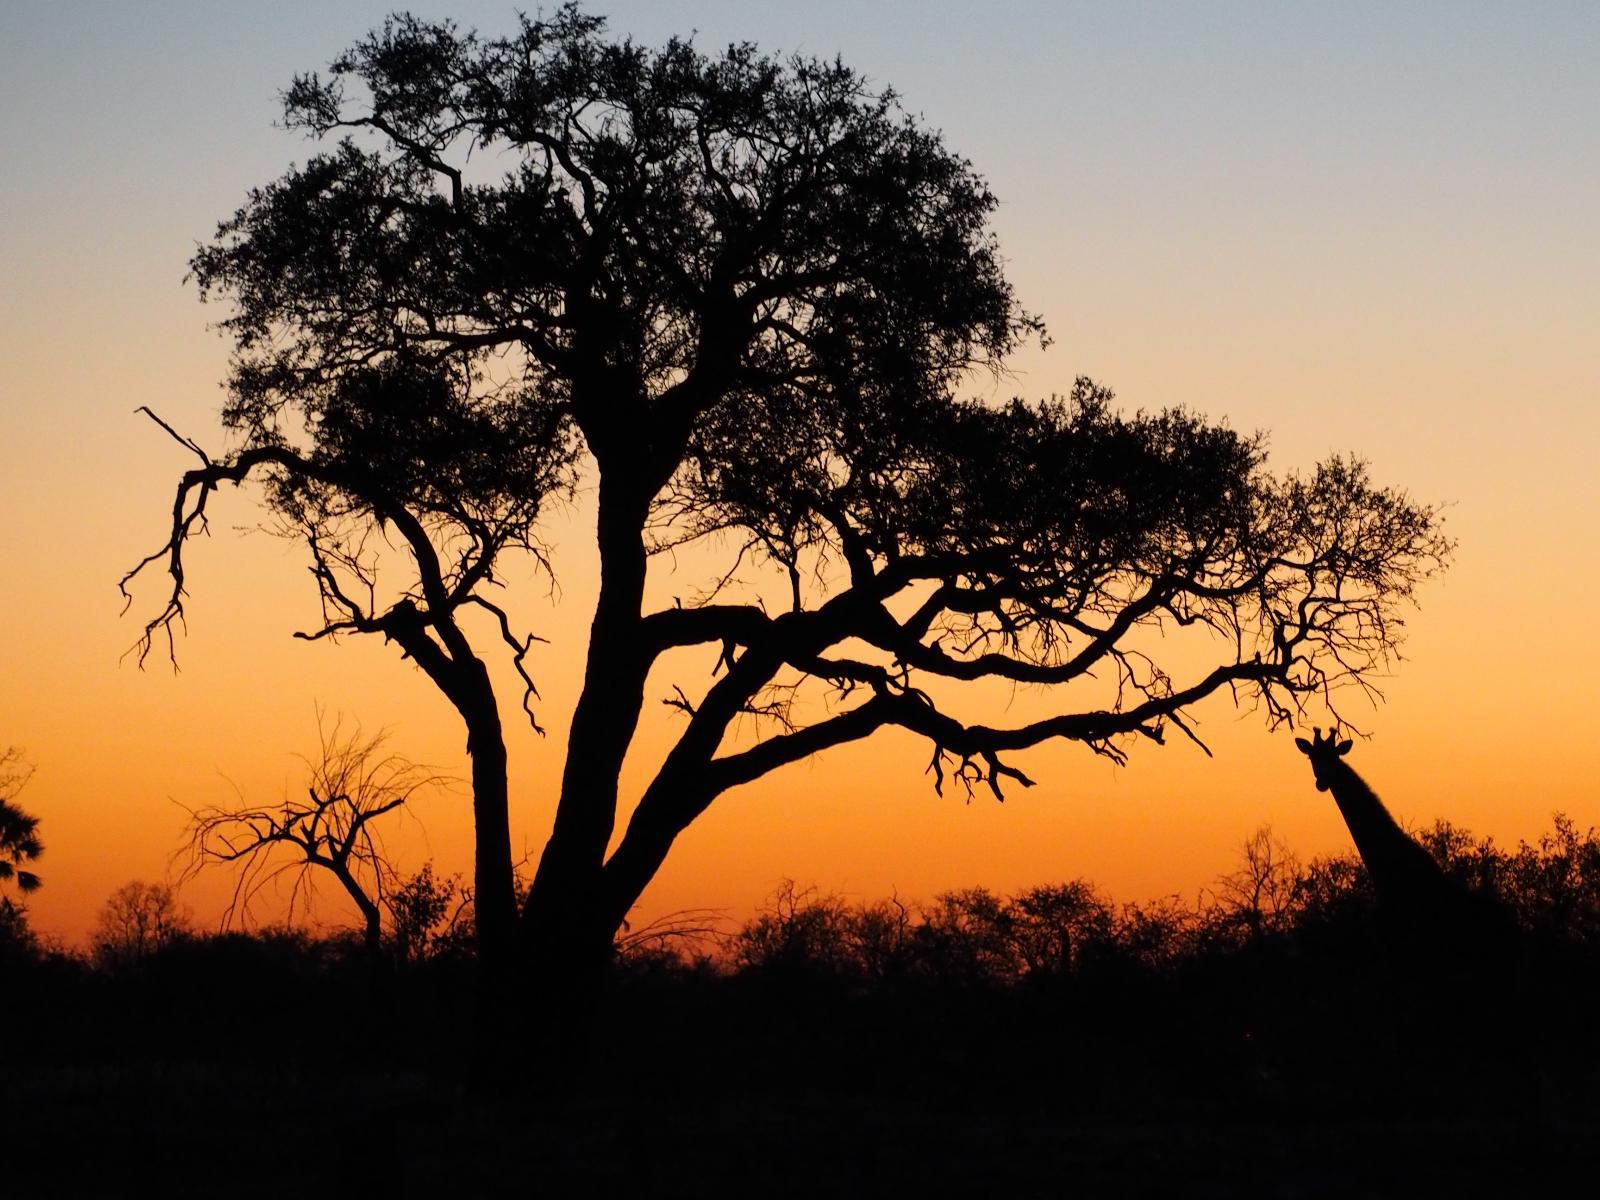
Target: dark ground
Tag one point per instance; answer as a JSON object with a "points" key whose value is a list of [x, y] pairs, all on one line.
{"points": [[187, 1129]]}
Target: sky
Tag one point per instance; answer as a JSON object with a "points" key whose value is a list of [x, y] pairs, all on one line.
{"points": [[1359, 227]]}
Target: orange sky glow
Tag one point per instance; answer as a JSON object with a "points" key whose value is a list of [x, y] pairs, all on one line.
{"points": [[1369, 233]]}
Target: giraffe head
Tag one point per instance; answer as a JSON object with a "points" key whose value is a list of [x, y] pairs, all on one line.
{"points": [[1324, 753]]}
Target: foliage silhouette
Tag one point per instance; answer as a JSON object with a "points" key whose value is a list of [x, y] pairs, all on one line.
{"points": [[19, 831], [20, 847], [736, 295], [18, 942], [426, 914]]}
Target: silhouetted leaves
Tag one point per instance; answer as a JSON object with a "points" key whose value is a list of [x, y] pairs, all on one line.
{"points": [[19, 830]]}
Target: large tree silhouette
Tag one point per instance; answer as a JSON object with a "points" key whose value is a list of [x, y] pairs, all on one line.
{"points": [[738, 296]]}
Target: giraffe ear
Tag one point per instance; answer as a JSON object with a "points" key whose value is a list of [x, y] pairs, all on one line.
{"points": [[1305, 746], [1344, 747]]}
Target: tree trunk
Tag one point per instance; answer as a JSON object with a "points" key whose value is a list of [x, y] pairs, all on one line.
{"points": [[372, 931], [567, 928], [463, 678], [497, 1043], [494, 889], [567, 954]]}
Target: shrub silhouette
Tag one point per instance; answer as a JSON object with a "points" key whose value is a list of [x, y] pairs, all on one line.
{"points": [[426, 917]]}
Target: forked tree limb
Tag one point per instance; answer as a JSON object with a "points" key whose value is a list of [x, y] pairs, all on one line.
{"points": [[428, 633]]}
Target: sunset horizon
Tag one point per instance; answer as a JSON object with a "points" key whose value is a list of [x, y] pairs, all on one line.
{"points": [[1382, 324]]}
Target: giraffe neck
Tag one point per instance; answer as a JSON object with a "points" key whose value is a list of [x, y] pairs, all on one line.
{"points": [[1396, 863]]}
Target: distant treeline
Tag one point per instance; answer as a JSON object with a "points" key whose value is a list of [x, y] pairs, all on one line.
{"points": [[1046, 934], [1278, 981]]}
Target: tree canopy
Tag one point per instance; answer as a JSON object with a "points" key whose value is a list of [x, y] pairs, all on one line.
{"points": [[741, 296]]}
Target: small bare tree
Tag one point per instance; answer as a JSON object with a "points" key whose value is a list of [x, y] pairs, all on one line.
{"points": [[333, 829], [1260, 893], [137, 920]]}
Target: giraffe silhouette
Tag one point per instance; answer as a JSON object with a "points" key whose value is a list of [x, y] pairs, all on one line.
{"points": [[1452, 962], [1425, 908]]}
